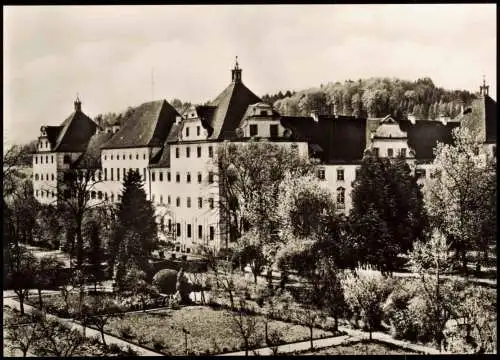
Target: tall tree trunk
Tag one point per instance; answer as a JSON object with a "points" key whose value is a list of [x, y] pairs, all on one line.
{"points": [[21, 304], [103, 337], [311, 336], [40, 301]]}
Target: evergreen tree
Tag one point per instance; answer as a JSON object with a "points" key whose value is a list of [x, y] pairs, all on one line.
{"points": [[135, 235], [388, 212], [95, 254]]}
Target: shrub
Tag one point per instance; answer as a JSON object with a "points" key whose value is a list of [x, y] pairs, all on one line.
{"points": [[114, 348], [158, 343], [397, 314], [365, 291], [165, 281], [126, 332], [130, 352]]}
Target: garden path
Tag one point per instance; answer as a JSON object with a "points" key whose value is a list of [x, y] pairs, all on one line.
{"points": [[89, 332]]}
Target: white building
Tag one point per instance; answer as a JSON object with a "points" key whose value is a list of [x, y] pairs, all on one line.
{"points": [[176, 154]]}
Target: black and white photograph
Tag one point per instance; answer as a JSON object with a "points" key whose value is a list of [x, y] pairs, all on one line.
{"points": [[249, 180]]}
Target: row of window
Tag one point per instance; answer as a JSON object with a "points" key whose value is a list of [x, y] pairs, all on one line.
{"points": [[117, 178], [188, 201], [123, 157], [390, 152], [45, 193], [46, 159], [178, 177], [41, 177], [198, 151], [178, 232], [340, 174], [198, 131], [273, 130], [44, 144]]}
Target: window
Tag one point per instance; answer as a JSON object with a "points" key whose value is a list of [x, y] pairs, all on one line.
{"points": [[123, 156], [106, 196], [210, 177], [111, 156], [37, 193], [212, 232], [402, 153], [105, 174], [92, 194], [263, 113], [99, 175], [375, 151], [198, 151], [112, 197], [390, 152], [200, 202], [36, 159], [188, 178], [118, 174], [41, 159], [198, 131], [253, 130], [200, 231], [187, 131], [178, 201], [188, 151], [188, 202], [177, 177], [152, 176], [111, 175], [340, 174], [53, 194], [52, 159], [169, 224], [124, 173], [99, 195], [340, 197], [161, 199], [144, 156], [177, 152], [105, 157], [162, 225], [188, 230], [137, 156], [210, 151], [130, 156], [273, 130], [199, 178], [168, 176], [321, 174], [36, 177], [160, 174], [52, 177], [153, 198], [46, 159], [178, 225], [211, 203], [169, 200], [41, 193]]}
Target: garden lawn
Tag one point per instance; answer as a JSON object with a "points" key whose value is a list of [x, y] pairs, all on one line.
{"points": [[211, 331], [361, 348]]}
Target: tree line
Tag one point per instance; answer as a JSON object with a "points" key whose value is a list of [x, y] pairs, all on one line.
{"points": [[374, 97]]}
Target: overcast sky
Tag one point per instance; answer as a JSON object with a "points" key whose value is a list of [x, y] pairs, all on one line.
{"points": [[107, 53]]}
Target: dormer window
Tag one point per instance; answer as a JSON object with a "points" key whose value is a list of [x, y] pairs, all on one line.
{"points": [[263, 113], [187, 131]]}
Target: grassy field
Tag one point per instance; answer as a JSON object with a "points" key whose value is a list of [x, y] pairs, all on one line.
{"points": [[209, 330], [361, 348]]}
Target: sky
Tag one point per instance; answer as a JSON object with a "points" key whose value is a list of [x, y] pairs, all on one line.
{"points": [[111, 55]]}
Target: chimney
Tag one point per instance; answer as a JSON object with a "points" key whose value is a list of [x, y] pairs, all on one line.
{"points": [[314, 115]]}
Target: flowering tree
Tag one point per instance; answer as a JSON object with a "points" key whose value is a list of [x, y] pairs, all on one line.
{"points": [[461, 195]]}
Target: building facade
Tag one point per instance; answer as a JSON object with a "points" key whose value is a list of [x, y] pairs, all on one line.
{"points": [[176, 154]]}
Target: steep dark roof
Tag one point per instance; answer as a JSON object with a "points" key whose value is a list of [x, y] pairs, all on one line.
{"points": [[342, 139], [482, 118], [91, 158], [52, 134], [423, 136], [75, 133], [223, 115], [146, 125], [162, 159]]}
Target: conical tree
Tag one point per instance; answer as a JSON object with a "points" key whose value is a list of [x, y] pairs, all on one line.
{"points": [[135, 231]]}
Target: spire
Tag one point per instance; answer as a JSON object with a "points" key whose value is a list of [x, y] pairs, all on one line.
{"points": [[236, 72], [78, 103], [484, 89]]}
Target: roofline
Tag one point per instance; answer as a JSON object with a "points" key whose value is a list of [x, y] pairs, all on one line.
{"points": [[129, 147]]}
